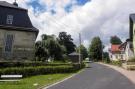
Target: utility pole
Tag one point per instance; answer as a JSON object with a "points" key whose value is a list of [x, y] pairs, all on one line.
{"points": [[79, 48], [102, 51]]}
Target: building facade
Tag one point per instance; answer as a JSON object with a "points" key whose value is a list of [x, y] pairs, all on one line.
{"points": [[127, 48], [115, 54], [17, 34]]}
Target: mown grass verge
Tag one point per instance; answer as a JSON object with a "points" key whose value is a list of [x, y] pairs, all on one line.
{"points": [[34, 82]]}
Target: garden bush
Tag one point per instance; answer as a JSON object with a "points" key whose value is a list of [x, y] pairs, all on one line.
{"points": [[106, 60], [38, 70], [29, 64], [117, 63]]}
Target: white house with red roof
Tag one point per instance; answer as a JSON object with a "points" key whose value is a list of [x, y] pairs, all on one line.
{"points": [[115, 53], [127, 48], [122, 51]]}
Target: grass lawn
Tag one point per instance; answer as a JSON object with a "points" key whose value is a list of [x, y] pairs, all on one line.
{"points": [[34, 82]]}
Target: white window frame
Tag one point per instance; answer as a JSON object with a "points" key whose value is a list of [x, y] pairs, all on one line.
{"points": [[9, 19]]}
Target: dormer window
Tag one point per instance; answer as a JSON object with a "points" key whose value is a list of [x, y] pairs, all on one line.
{"points": [[9, 19]]}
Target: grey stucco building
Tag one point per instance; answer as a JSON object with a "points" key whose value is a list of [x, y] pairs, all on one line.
{"points": [[74, 57], [17, 34]]}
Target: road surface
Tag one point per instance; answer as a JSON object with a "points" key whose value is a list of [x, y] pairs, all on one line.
{"points": [[96, 77]]}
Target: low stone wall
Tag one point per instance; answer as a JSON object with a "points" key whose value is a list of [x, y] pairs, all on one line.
{"points": [[128, 66]]}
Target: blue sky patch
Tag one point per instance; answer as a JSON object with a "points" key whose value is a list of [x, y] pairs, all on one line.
{"points": [[82, 2], [35, 4], [68, 8]]}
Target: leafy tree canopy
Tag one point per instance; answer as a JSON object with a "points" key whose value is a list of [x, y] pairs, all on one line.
{"points": [[49, 47], [96, 49], [83, 51], [66, 40], [115, 40]]}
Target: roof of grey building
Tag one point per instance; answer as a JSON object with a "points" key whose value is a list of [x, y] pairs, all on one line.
{"points": [[132, 21], [21, 20], [73, 54], [6, 4], [132, 16]]}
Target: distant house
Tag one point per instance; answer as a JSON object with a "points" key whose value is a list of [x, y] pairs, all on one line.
{"points": [[115, 53], [127, 48], [17, 34]]}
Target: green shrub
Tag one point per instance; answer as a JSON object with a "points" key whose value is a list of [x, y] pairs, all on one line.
{"points": [[29, 64], [117, 63], [38, 70], [106, 60]]}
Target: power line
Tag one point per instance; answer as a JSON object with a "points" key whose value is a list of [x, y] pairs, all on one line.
{"points": [[54, 20]]}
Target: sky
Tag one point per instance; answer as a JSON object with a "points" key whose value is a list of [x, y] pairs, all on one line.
{"points": [[103, 18]]}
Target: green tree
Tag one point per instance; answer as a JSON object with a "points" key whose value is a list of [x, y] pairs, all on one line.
{"points": [[96, 49], [40, 53], [115, 40], [49, 47], [54, 48], [66, 40], [83, 51], [106, 57]]}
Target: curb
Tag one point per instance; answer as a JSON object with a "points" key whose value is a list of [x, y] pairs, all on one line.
{"points": [[128, 74], [57, 82]]}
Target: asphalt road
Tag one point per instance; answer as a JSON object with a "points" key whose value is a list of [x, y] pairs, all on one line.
{"points": [[96, 77]]}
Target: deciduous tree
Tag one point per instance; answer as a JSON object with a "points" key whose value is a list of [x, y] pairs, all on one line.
{"points": [[83, 51], [66, 40], [96, 49], [115, 40]]}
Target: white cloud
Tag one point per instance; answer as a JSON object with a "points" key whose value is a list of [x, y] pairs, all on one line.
{"points": [[102, 18]]}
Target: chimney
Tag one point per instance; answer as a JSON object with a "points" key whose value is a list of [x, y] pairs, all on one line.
{"points": [[15, 3]]}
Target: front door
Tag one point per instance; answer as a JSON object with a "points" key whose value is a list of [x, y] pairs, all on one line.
{"points": [[8, 46]]}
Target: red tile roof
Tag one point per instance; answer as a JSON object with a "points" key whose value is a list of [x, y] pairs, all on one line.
{"points": [[115, 48]]}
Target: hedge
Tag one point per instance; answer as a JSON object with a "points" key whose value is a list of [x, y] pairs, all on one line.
{"points": [[117, 63], [38, 70], [29, 64]]}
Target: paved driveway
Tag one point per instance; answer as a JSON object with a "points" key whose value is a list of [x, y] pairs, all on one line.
{"points": [[96, 77]]}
